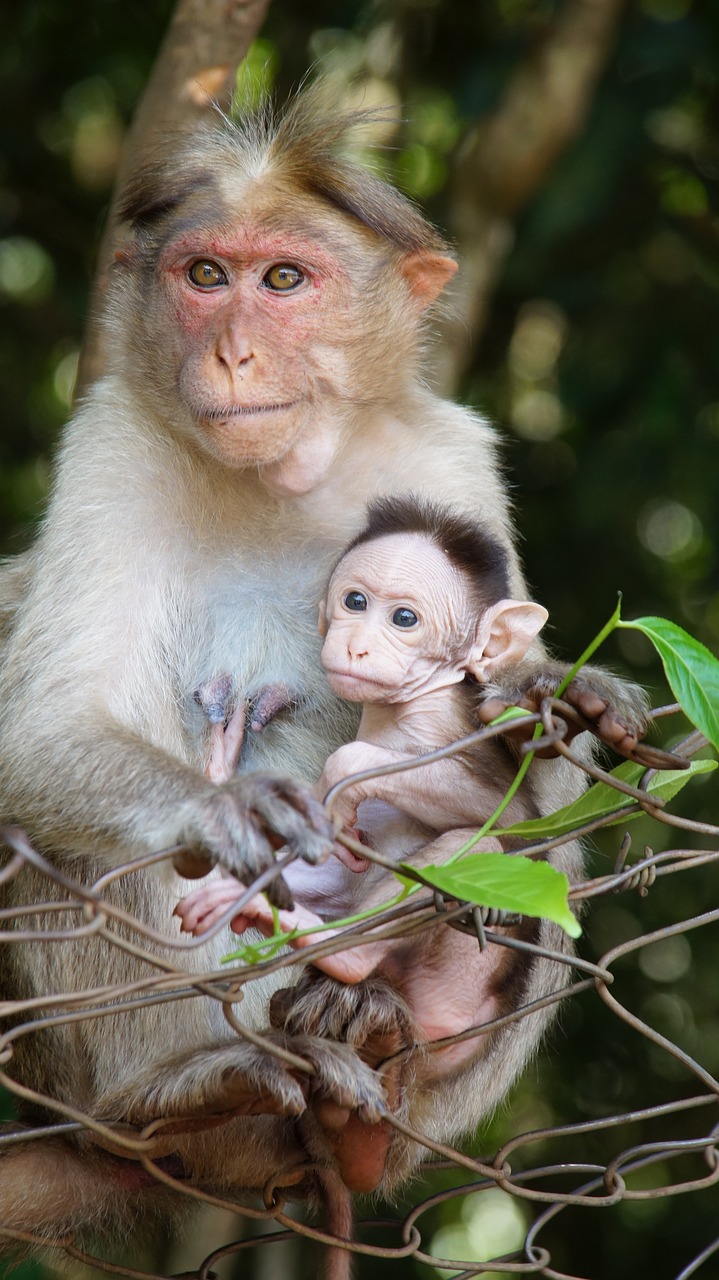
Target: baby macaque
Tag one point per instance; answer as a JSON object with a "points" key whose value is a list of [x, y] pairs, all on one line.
{"points": [[416, 616]]}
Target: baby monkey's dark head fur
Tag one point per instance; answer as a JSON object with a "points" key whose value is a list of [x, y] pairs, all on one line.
{"points": [[469, 546]]}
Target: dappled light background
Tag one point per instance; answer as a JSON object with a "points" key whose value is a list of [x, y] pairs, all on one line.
{"points": [[596, 353]]}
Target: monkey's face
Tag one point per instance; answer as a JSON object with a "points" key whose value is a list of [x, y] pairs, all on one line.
{"points": [[397, 612], [253, 332], [269, 331], [250, 312]]}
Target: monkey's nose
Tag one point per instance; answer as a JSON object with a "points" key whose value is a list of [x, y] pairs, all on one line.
{"points": [[233, 350]]}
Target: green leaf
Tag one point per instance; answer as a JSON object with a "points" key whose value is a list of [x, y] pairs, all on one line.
{"points": [[509, 882], [602, 799], [691, 670]]}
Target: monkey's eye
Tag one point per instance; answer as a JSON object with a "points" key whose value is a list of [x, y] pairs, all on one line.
{"points": [[283, 277], [355, 601], [205, 274], [405, 617]]}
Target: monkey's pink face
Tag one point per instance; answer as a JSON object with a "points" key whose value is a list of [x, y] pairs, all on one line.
{"points": [[397, 611], [257, 318]]}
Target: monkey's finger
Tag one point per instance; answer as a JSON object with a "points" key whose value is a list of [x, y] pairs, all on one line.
{"points": [[341, 1076], [281, 1004], [331, 1115], [224, 824], [490, 709], [615, 733], [587, 701], [655, 758]]}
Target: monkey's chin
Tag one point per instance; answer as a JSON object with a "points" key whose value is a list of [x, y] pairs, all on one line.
{"points": [[250, 435]]}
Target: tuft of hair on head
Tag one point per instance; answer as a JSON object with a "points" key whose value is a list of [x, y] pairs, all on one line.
{"points": [[469, 546], [301, 144]]}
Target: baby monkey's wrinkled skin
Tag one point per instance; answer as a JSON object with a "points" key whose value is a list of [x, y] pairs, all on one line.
{"points": [[410, 623]]}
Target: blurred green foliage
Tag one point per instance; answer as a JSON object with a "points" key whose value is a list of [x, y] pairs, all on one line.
{"points": [[600, 365]]}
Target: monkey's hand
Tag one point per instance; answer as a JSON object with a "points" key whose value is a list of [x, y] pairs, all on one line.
{"points": [[613, 709], [374, 1019], [241, 822]]}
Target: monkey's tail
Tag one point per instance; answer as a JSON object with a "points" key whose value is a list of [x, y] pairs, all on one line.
{"points": [[338, 1220]]}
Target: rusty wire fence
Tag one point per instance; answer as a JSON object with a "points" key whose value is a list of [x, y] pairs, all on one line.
{"points": [[550, 1189]]}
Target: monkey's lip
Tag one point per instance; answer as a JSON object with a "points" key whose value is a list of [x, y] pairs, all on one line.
{"points": [[228, 412], [354, 677]]}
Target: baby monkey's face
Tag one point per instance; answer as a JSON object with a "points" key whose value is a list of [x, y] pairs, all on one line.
{"points": [[396, 616]]}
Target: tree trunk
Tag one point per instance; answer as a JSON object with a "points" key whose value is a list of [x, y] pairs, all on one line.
{"points": [[508, 156], [194, 73]]}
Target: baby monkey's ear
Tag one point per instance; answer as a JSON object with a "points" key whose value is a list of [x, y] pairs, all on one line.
{"points": [[323, 625], [504, 633]]}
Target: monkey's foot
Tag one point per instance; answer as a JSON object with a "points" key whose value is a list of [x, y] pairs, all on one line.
{"points": [[373, 1018], [237, 1078], [368, 1015]]}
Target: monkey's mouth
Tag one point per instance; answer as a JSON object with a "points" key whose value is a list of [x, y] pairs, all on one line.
{"points": [[353, 677], [230, 412]]}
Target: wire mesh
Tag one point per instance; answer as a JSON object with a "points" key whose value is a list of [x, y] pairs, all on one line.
{"points": [[75, 910]]}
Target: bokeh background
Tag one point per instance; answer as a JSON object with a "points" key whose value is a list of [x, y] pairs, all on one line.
{"points": [[593, 347]]}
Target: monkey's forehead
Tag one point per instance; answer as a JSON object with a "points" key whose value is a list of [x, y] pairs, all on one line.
{"points": [[263, 224], [401, 565]]}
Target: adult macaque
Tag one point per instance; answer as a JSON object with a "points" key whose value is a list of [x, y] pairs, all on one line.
{"points": [[267, 320]]}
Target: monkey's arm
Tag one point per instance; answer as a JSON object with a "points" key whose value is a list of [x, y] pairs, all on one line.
{"points": [[440, 795], [104, 790]]}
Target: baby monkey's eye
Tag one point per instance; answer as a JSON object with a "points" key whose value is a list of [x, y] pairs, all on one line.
{"points": [[355, 601], [405, 617], [283, 277], [205, 274]]}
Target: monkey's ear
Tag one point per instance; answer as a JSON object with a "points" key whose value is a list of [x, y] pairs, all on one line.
{"points": [[504, 633], [426, 274], [322, 623]]}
